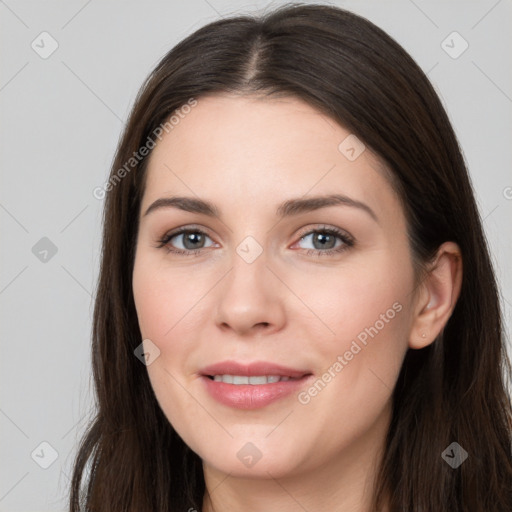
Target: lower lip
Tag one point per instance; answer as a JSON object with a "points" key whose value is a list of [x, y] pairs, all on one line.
{"points": [[249, 396]]}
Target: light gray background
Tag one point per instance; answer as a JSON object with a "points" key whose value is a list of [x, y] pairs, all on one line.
{"points": [[61, 119]]}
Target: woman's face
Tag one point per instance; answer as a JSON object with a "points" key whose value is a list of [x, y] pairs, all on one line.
{"points": [[298, 268]]}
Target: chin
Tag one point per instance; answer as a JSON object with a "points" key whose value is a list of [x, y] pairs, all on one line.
{"points": [[253, 459], [262, 470]]}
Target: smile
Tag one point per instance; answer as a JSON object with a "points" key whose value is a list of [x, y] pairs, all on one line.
{"points": [[253, 380], [252, 385]]}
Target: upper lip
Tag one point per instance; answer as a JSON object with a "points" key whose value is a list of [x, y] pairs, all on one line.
{"points": [[253, 369]]}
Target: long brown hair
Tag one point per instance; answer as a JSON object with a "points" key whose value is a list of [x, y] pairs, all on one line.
{"points": [[454, 390]]}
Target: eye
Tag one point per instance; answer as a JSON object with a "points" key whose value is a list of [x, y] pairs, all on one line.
{"points": [[186, 241], [326, 241], [189, 241]]}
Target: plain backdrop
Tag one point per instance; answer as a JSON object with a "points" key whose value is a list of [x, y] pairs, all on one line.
{"points": [[68, 78]]}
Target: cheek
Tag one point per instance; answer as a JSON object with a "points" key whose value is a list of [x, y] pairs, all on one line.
{"points": [[356, 299], [358, 371], [162, 300], [166, 297], [366, 309]]}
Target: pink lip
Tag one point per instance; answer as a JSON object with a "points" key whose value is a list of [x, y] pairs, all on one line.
{"points": [[249, 396], [252, 369]]}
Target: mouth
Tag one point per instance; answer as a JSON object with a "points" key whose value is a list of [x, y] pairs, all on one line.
{"points": [[252, 386], [255, 380], [237, 372]]}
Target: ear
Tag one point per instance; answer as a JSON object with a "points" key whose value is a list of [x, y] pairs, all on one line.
{"points": [[437, 296]]}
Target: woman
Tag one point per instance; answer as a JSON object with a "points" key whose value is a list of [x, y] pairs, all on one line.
{"points": [[296, 307]]}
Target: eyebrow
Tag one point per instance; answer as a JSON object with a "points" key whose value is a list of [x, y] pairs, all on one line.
{"points": [[286, 209]]}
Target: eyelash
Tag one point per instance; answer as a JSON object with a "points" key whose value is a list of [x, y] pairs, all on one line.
{"points": [[347, 240]]}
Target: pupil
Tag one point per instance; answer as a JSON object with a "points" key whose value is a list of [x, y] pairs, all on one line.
{"points": [[323, 239], [194, 238]]}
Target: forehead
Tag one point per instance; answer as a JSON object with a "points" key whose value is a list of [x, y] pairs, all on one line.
{"points": [[263, 150]]}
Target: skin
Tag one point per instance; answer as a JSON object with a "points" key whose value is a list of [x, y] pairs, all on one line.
{"points": [[291, 306]]}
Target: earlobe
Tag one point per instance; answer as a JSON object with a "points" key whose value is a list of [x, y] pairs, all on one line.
{"points": [[438, 296]]}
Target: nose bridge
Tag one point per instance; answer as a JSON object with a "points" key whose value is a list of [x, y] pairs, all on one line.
{"points": [[248, 297], [248, 269], [250, 250]]}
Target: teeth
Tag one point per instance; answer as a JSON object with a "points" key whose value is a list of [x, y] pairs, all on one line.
{"points": [[258, 380], [254, 380]]}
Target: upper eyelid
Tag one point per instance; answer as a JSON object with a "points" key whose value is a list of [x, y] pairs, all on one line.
{"points": [[323, 227], [183, 229]]}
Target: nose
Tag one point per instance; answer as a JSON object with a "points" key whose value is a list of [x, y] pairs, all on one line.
{"points": [[249, 299]]}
